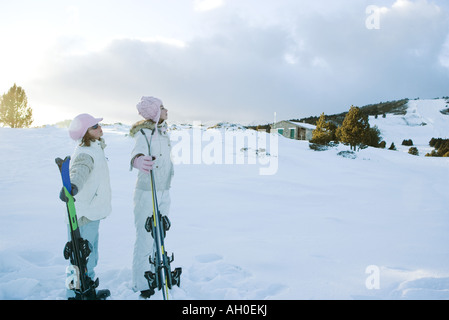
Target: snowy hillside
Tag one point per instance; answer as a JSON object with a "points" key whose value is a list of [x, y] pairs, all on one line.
{"points": [[321, 226], [424, 120]]}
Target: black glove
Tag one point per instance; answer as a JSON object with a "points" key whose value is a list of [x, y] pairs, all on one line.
{"points": [[62, 195]]}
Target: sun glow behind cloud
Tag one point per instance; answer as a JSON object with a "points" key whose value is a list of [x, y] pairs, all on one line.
{"points": [[206, 5]]}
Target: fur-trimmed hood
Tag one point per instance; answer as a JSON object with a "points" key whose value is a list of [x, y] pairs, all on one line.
{"points": [[160, 146], [146, 124]]}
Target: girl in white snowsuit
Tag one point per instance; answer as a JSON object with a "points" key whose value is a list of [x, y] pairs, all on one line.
{"points": [[89, 175], [159, 161]]}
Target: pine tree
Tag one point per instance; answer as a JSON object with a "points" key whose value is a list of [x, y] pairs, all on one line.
{"points": [[354, 128], [372, 137], [14, 110], [392, 146], [323, 133], [414, 151]]}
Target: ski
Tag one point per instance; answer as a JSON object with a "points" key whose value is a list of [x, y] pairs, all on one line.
{"points": [[162, 278], [77, 250]]}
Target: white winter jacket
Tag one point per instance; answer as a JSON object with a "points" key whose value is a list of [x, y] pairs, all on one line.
{"points": [[90, 173], [160, 148]]}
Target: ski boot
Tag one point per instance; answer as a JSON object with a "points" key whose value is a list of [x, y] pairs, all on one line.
{"points": [[166, 224]]}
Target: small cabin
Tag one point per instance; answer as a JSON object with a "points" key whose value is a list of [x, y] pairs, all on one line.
{"points": [[294, 130]]}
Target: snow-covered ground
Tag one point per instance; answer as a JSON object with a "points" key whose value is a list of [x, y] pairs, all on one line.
{"points": [[323, 226]]}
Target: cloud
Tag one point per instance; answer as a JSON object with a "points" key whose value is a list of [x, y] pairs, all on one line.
{"points": [[400, 59], [221, 78], [295, 63], [444, 55]]}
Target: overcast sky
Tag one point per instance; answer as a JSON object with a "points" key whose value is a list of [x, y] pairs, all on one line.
{"points": [[221, 60]]}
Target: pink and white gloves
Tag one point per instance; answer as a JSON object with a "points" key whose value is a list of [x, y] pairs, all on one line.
{"points": [[144, 163]]}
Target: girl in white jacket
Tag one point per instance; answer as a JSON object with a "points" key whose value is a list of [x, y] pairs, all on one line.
{"points": [[157, 159], [89, 175]]}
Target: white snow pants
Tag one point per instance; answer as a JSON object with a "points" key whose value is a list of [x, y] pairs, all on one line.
{"points": [[144, 245]]}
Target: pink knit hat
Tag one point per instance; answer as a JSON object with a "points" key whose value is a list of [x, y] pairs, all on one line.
{"points": [[79, 125], [150, 108]]}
